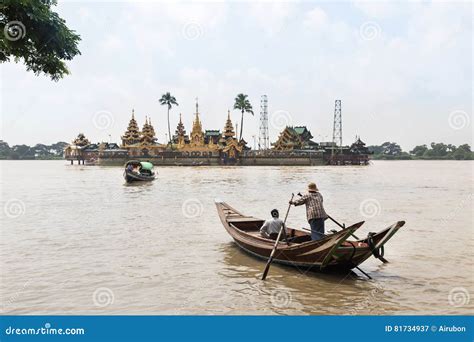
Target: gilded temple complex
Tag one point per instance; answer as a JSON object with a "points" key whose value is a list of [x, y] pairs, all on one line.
{"points": [[224, 145], [294, 146]]}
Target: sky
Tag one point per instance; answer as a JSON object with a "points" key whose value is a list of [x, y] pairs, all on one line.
{"points": [[402, 69]]}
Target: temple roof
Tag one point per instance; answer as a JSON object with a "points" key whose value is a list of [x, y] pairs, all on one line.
{"points": [[300, 129], [81, 140], [212, 132]]}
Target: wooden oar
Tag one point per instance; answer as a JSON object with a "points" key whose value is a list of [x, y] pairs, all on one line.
{"points": [[267, 267]]}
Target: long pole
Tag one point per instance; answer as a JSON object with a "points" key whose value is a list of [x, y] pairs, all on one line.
{"points": [[340, 225], [267, 267]]}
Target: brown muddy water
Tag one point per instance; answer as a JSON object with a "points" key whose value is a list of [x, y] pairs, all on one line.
{"points": [[77, 240]]}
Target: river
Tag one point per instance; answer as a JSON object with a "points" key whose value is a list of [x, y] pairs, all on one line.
{"points": [[77, 240]]}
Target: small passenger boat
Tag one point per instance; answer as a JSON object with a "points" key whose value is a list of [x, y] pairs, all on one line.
{"points": [[138, 171], [334, 252]]}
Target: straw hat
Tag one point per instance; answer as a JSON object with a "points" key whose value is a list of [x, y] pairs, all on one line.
{"points": [[312, 187]]}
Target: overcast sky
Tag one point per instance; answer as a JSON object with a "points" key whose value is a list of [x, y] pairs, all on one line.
{"points": [[403, 70]]}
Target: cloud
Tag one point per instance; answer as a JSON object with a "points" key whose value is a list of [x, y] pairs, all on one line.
{"points": [[381, 9], [316, 19], [271, 17], [417, 70]]}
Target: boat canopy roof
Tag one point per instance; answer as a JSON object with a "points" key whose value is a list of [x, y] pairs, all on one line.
{"points": [[143, 164], [146, 165]]}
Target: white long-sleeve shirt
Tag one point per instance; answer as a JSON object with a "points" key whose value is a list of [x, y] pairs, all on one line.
{"points": [[271, 226]]}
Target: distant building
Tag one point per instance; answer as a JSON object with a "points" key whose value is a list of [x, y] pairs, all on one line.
{"points": [[295, 138], [141, 143], [83, 151]]}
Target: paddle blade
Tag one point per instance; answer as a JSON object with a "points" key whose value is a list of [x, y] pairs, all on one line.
{"points": [[267, 268]]}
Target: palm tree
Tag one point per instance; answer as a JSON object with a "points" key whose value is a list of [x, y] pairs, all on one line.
{"points": [[242, 104], [168, 100]]}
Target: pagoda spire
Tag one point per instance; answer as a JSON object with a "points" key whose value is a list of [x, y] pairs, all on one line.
{"points": [[228, 128], [152, 129], [148, 133], [197, 135], [132, 134]]}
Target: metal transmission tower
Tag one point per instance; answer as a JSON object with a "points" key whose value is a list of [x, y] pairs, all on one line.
{"points": [[337, 128], [263, 136]]}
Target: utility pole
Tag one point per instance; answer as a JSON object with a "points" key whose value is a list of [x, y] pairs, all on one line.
{"points": [[263, 136], [337, 127]]}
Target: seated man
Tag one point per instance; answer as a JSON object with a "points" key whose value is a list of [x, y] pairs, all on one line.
{"points": [[271, 228]]}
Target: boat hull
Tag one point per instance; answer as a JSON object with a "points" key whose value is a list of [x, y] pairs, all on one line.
{"points": [[131, 177]]}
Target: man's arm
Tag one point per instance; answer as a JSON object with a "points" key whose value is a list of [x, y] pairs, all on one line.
{"points": [[301, 200], [264, 229]]}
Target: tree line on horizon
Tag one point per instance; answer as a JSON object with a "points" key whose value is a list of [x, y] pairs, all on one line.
{"points": [[39, 151], [386, 151], [393, 151]]}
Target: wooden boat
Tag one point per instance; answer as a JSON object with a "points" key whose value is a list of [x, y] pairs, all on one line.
{"points": [[145, 171], [334, 252]]}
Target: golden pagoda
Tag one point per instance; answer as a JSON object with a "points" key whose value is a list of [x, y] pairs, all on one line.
{"points": [[230, 146], [152, 129], [148, 134], [197, 135], [180, 137], [228, 129], [132, 134]]}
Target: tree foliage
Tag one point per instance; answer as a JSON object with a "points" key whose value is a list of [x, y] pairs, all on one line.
{"points": [[34, 34], [243, 104], [39, 151], [387, 148], [168, 100], [419, 150], [390, 150]]}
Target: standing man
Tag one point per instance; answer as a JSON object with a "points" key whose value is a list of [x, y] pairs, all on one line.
{"points": [[314, 211]]}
